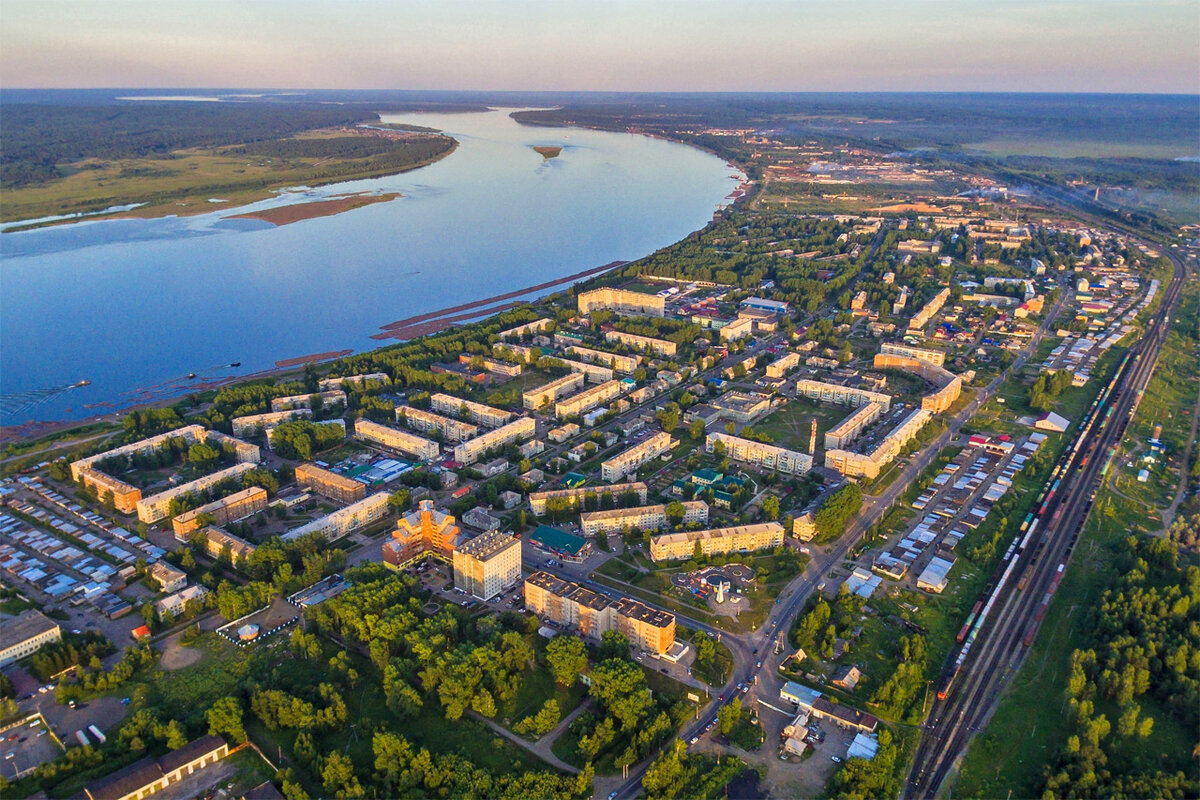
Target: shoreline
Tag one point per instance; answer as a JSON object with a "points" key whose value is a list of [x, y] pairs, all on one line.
{"points": [[193, 205]]}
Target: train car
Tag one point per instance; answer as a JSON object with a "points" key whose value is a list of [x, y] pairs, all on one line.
{"points": [[1042, 606], [962, 634], [1029, 634], [947, 683], [1024, 578]]}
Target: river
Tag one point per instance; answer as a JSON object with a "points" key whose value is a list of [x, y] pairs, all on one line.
{"points": [[134, 305]]}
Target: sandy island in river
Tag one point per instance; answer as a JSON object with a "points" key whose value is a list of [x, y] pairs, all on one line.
{"points": [[547, 152], [285, 215]]}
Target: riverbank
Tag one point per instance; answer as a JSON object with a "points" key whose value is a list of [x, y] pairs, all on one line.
{"points": [[192, 182], [286, 215]]}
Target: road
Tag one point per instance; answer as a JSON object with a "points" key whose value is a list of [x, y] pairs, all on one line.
{"points": [[1000, 645]]}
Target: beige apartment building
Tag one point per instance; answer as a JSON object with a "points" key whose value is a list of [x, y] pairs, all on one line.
{"points": [[488, 564], [528, 329], [644, 518], [619, 363], [595, 373], [330, 484], [156, 507], [628, 462], [922, 317], [657, 346], [329, 384], [587, 400], [452, 430], [231, 508], [472, 450], [870, 462], [781, 367], [537, 500], [766, 456], [392, 439], [476, 412], [254, 424], [841, 395], [935, 357], [949, 385], [742, 538], [549, 392], [331, 397], [572, 607], [621, 301], [346, 520], [846, 431], [218, 540]]}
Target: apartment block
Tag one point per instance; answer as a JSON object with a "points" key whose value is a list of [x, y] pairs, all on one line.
{"points": [[505, 368], [346, 520], [452, 430], [549, 392], [587, 400], [940, 400], [472, 450], [595, 373], [739, 328], [742, 406], [628, 462], [392, 439], [231, 508], [218, 540], [476, 412], [25, 634], [169, 578], [766, 456], [621, 301], [572, 607], [841, 395], [528, 329], [780, 367], [189, 433], [619, 362], [537, 500], [156, 507], [329, 384], [870, 460], [175, 604], [846, 431], [742, 538], [421, 533], [657, 346], [488, 564], [949, 385], [125, 497], [644, 518], [935, 357], [922, 317], [330, 484], [254, 424], [331, 397]]}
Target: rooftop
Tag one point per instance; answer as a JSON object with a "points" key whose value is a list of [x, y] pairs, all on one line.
{"points": [[560, 541], [24, 627]]}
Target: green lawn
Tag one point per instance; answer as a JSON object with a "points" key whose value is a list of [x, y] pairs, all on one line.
{"points": [[790, 425]]}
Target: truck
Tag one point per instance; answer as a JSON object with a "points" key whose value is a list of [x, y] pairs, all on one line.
{"points": [[97, 733], [82, 737]]}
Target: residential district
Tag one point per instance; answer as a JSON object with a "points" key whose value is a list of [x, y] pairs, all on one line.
{"points": [[780, 504]]}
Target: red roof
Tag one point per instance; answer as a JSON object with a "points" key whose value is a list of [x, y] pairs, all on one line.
{"points": [[140, 632]]}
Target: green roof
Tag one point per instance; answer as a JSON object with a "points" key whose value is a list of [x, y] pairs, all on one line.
{"points": [[706, 476], [573, 480], [557, 541]]}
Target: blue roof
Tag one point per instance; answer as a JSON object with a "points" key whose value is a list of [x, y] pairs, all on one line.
{"points": [[801, 694]]}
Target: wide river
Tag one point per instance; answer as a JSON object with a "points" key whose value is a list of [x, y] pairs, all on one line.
{"points": [[138, 304]]}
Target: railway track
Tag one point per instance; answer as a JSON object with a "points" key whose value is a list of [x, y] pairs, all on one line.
{"points": [[1005, 625]]}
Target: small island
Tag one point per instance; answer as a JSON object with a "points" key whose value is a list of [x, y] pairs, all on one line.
{"points": [[548, 152], [286, 215]]}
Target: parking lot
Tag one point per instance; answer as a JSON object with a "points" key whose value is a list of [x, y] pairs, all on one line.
{"points": [[24, 747]]}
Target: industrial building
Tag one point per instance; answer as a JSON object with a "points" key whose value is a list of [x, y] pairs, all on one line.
{"points": [[628, 462], [472, 450], [572, 607], [401, 441], [741, 538], [766, 456]]}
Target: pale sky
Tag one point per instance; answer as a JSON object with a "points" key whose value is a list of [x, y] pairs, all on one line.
{"points": [[618, 45]]}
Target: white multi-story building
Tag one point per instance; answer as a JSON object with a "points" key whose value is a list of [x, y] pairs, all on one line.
{"points": [[328, 384], [254, 424], [346, 520], [488, 564], [476, 412], [935, 357], [742, 538], [537, 500], [841, 395], [587, 400], [156, 507], [427, 422], [470, 451], [618, 362], [660, 347], [628, 462], [644, 518], [392, 439], [849, 429], [328, 398], [549, 392], [766, 456], [779, 368], [175, 604], [622, 301]]}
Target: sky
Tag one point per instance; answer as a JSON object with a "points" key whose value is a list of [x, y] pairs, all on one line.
{"points": [[606, 45]]}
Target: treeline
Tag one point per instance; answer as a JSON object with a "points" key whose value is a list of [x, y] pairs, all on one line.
{"points": [[40, 139], [1143, 645], [86, 649]]}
